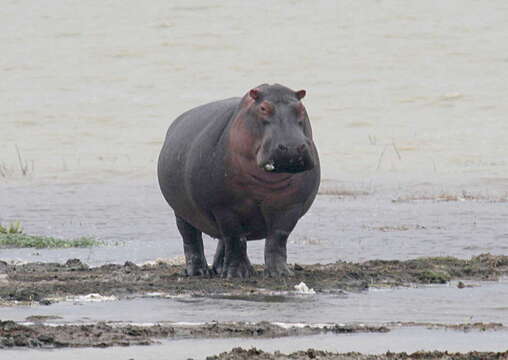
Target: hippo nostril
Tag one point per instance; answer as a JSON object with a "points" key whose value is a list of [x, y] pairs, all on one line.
{"points": [[283, 148]]}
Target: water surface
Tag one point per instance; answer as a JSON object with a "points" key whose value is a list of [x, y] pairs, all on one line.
{"points": [[399, 90], [408, 340], [137, 225]]}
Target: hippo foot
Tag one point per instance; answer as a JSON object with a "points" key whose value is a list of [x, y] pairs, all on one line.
{"points": [[217, 269], [198, 268], [218, 260], [279, 270], [240, 268], [197, 272], [233, 262]]}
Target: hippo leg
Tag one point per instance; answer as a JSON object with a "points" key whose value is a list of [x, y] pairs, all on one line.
{"points": [[281, 226], [232, 248], [218, 260], [236, 262], [276, 254], [195, 261]]}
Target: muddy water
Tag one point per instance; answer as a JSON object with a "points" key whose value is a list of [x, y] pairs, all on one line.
{"points": [[398, 91]]}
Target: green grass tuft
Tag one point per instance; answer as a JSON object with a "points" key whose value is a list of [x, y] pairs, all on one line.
{"points": [[12, 228], [12, 236], [40, 242], [434, 277]]}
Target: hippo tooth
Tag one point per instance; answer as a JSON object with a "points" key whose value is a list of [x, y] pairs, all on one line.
{"points": [[269, 167]]}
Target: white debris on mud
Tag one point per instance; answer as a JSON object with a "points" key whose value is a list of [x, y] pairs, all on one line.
{"points": [[16, 262], [286, 325], [177, 260], [166, 295], [302, 288], [90, 298]]}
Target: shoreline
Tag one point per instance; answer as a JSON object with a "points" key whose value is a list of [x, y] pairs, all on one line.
{"points": [[46, 282]]}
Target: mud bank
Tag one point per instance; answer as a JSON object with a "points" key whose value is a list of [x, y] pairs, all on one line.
{"points": [[479, 326], [255, 354], [103, 334], [46, 282]]}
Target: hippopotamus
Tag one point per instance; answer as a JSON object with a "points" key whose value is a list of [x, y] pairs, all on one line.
{"points": [[240, 169]]}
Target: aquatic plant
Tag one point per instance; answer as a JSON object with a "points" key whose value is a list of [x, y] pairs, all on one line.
{"points": [[12, 228]]}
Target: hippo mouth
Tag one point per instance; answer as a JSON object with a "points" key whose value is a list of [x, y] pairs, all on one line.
{"points": [[270, 180], [292, 165]]}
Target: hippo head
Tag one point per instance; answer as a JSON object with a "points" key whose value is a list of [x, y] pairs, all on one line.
{"points": [[283, 133]]}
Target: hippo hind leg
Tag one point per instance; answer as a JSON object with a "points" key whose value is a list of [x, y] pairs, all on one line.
{"points": [[195, 261], [236, 263], [218, 259], [231, 258]]}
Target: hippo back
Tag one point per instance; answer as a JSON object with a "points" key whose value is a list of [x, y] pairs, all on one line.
{"points": [[192, 153]]}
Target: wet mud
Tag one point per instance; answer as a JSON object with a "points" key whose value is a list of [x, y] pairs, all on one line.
{"points": [[477, 326], [47, 282], [255, 354], [103, 334]]}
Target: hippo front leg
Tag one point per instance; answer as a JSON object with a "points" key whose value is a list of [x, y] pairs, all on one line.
{"points": [[281, 226], [276, 254]]}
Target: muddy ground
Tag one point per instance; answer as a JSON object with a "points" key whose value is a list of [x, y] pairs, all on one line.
{"points": [[104, 334], [49, 282], [44, 282], [254, 354]]}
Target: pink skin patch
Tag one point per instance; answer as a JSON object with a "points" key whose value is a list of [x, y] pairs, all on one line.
{"points": [[247, 174]]}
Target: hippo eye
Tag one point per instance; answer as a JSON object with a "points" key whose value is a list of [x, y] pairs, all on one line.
{"points": [[265, 109]]}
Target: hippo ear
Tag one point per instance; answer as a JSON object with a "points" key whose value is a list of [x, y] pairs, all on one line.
{"points": [[255, 94], [300, 94]]}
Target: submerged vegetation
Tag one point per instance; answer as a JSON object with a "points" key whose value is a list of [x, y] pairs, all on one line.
{"points": [[13, 236]]}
